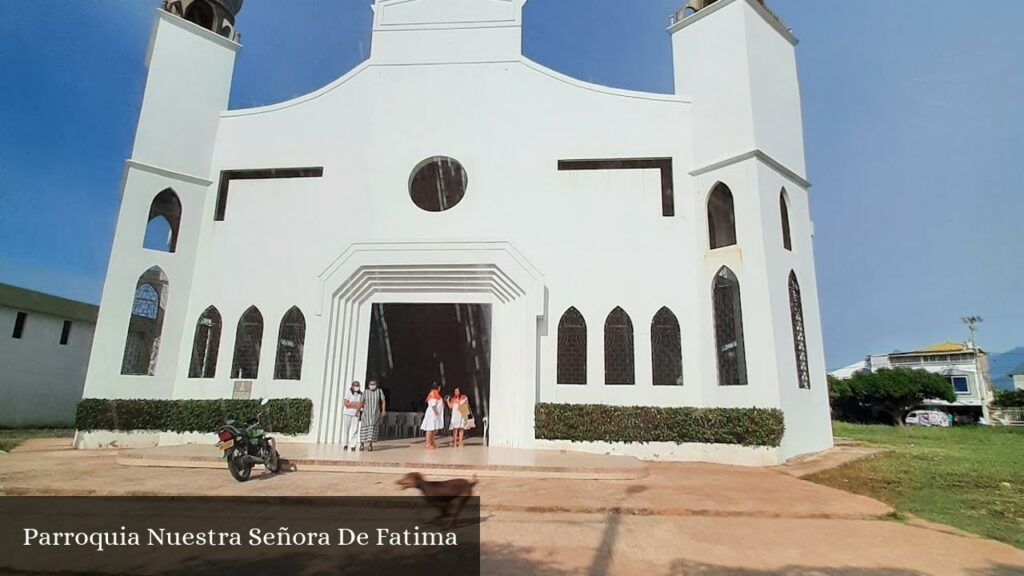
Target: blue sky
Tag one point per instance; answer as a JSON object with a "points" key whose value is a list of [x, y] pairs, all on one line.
{"points": [[912, 114]]}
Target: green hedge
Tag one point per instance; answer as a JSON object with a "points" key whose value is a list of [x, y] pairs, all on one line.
{"points": [[632, 424], [284, 416]]}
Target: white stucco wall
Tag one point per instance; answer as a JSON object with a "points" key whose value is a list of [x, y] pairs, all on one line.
{"points": [[441, 85], [41, 381]]}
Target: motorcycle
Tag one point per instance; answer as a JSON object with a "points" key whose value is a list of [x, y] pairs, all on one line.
{"points": [[247, 444]]}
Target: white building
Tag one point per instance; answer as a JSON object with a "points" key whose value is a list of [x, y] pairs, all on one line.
{"points": [[44, 352], [964, 366], [602, 245], [1018, 378]]}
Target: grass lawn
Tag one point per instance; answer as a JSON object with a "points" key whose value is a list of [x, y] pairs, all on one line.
{"points": [[9, 438], [968, 477]]}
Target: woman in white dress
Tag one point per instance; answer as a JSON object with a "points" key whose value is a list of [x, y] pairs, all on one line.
{"points": [[433, 418], [459, 404]]}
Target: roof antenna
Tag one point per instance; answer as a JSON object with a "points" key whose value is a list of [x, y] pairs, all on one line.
{"points": [[972, 322]]}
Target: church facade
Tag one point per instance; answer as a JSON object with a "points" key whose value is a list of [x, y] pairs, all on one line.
{"points": [[628, 248]]}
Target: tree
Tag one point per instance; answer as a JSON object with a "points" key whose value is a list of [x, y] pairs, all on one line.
{"points": [[892, 391], [1009, 399]]}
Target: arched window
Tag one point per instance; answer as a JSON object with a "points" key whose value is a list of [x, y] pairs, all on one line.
{"points": [[618, 348], [162, 227], [572, 348], [666, 349], [796, 312], [205, 345], [248, 342], [142, 345], [732, 363], [200, 13], [787, 242], [290, 338], [721, 217]]}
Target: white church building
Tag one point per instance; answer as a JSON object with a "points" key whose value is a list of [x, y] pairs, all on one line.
{"points": [[451, 211]]}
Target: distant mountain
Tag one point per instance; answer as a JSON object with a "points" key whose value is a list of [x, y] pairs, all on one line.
{"points": [[1000, 365]]}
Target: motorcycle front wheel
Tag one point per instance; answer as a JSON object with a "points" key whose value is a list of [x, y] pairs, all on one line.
{"points": [[273, 461], [239, 468]]}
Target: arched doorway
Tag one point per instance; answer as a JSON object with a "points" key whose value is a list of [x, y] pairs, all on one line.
{"points": [[479, 273]]}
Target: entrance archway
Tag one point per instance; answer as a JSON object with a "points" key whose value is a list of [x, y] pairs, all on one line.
{"points": [[414, 345], [493, 273]]}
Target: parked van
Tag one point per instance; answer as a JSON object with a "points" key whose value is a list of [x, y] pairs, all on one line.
{"points": [[927, 418]]}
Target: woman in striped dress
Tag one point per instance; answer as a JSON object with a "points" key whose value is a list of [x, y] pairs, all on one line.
{"points": [[374, 408]]}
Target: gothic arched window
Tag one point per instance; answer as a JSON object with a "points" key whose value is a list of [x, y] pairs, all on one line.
{"points": [[666, 349], [142, 344], [721, 217], [248, 342], [205, 345], [162, 226], [732, 363], [572, 348], [787, 242], [618, 348], [290, 339], [796, 312]]}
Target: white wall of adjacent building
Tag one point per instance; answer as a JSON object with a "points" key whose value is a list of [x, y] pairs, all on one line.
{"points": [[41, 380]]}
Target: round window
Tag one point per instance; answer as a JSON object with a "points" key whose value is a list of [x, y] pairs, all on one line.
{"points": [[438, 184]]}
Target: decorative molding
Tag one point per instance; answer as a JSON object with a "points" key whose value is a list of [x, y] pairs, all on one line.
{"points": [[576, 82], [663, 164], [226, 176], [755, 153], [168, 173], [494, 273], [765, 13]]}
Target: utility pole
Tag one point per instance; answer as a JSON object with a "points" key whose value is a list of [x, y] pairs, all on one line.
{"points": [[972, 325]]}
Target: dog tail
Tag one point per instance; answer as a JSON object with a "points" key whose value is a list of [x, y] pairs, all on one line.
{"points": [[473, 483]]}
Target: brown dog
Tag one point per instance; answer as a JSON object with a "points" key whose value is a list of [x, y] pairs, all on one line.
{"points": [[448, 496]]}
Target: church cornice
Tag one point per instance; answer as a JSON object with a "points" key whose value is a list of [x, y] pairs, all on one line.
{"points": [[759, 155], [764, 12]]}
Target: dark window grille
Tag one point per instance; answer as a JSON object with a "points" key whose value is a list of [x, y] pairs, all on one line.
{"points": [[65, 333], [572, 348], [19, 325], [290, 339], [248, 341], [787, 241], [142, 344], [796, 311], [206, 345], [729, 346], [146, 303], [721, 217], [618, 348], [666, 349]]}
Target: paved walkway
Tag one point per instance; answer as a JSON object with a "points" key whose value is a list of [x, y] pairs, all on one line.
{"points": [[680, 519], [473, 459]]}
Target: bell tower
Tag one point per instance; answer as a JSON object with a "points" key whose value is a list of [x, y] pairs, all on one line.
{"points": [[190, 61], [217, 16]]}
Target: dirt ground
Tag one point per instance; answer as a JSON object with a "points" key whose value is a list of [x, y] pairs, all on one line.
{"points": [[681, 519]]}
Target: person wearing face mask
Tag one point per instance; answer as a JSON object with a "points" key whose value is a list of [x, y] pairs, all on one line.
{"points": [[374, 408], [353, 402]]}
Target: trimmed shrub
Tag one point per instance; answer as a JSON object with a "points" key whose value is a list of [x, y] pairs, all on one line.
{"points": [[284, 416], [641, 424]]}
